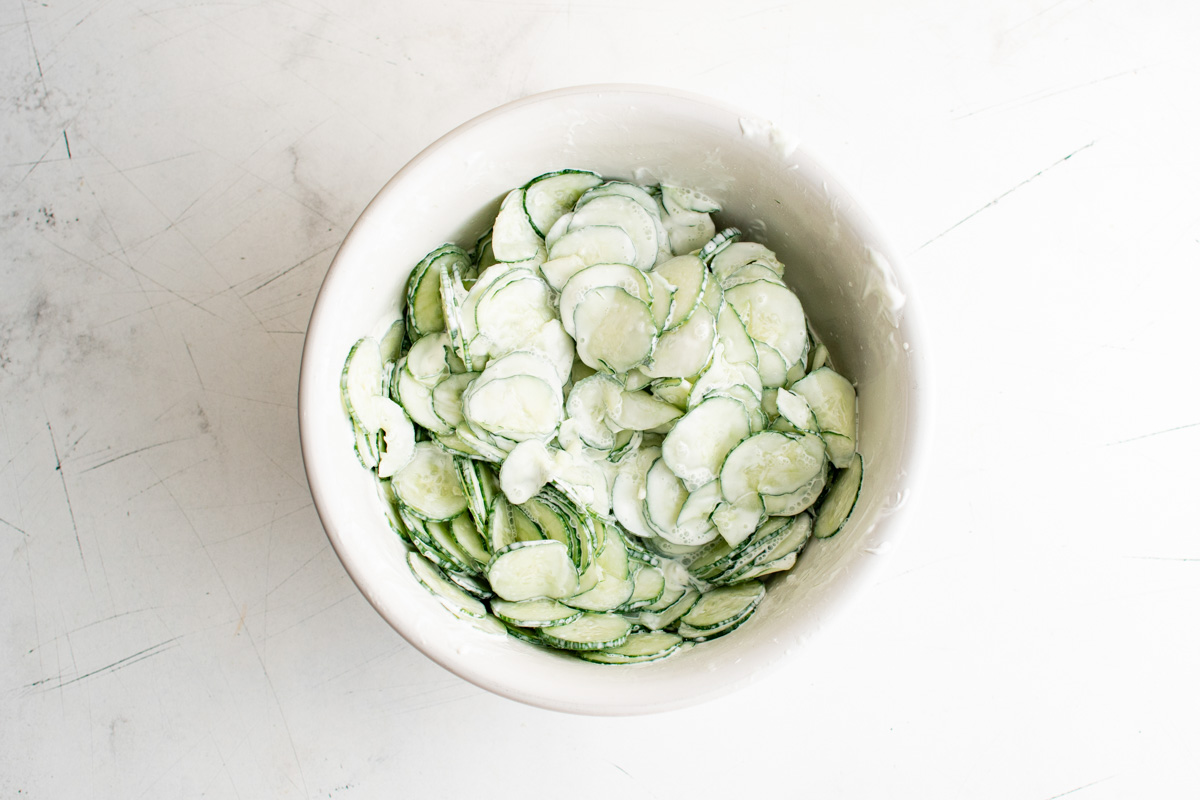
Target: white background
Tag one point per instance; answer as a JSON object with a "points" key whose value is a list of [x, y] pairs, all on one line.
{"points": [[174, 180]]}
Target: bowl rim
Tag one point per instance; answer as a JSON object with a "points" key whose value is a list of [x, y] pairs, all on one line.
{"points": [[858, 574]]}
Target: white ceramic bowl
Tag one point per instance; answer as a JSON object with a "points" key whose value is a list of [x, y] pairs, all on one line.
{"points": [[843, 271]]}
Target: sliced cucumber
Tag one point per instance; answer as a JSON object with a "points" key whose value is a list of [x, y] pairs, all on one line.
{"points": [[621, 276], [589, 632], [773, 315], [536, 613], [639, 411], [614, 331], [665, 496], [687, 274], [362, 380], [685, 350], [429, 485], [771, 463], [525, 570], [722, 607], [637, 649], [832, 400], [451, 595], [549, 196], [668, 616], [627, 214], [513, 236], [595, 244], [697, 446], [839, 502], [737, 255], [518, 407]]}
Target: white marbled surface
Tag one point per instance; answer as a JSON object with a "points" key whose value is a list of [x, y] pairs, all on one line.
{"points": [[174, 180]]}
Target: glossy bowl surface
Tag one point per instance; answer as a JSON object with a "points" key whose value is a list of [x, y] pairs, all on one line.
{"points": [[848, 280]]}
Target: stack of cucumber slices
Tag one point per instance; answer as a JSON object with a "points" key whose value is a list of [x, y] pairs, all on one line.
{"points": [[602, 428]]}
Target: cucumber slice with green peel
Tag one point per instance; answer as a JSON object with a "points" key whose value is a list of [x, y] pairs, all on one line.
{"points": [[721, 607], [552, 524], [782, 564], [609, 593], [451, 595], [789, 505], [669, 616], [439, 535], [588, 404], [832, 400], [614, 331], [513, 235], [818, 358], [720, 241], [525, 570], [771, 367], [694, 525], [396, 434], [590, 632], [688, 231], [417, 399], [466, 535], [528, 468], [682, 198], [697, 446], [772, 315], [362, 379], [392, 343], [840, 448], [423, 295], [839, 502], [622, 276], [737, 345], [467, 442], [687, 274], [453, 293], [520, 407], [629, 488], [536, 613], [619, 189], [671, 592], [692, 635], [639, 648], [595, 244], [522, 362], [429, 485], [796, 534], [642, 226], [794, 408], [737, 255], [471, 584], [672, 390], [447, 398], [685, 350], [753, 271], [639, 411], [510, 314], [737, 521], [557, 271], [771, 463], [665, 496], [365, 445], [548, 197], [648, 587], [427, 360], [662, 299]]}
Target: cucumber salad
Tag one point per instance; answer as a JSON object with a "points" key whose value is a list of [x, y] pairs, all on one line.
{"points": [[602, 427]]}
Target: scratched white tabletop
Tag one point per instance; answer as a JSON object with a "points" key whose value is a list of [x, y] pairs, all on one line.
{"points": [[175, 178]]}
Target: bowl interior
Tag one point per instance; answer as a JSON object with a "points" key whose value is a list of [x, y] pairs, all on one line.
{"points": [[771, 189]]}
